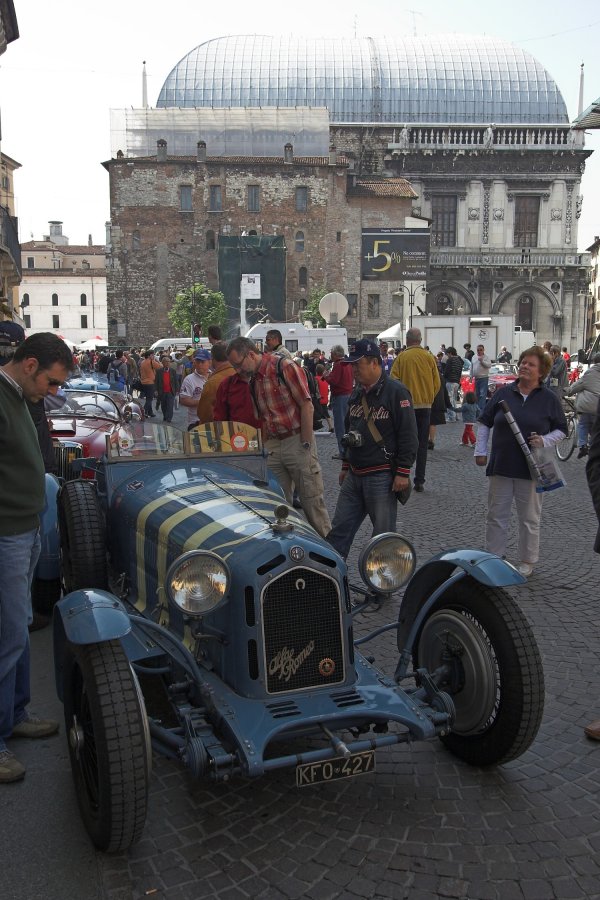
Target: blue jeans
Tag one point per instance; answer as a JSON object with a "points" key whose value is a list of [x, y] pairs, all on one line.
{"points": [[481, 386], [585, 423], [422, 416], [452, 388], [370, 495], [339, 405], [19, 554], [148, 393]]}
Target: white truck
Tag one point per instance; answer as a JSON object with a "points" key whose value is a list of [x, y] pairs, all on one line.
{"points": [[492, 331], [296, 336], [179, 344]]}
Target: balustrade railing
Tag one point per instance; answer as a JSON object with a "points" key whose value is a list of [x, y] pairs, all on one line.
{"points": [[487, 138], [508, 258]]}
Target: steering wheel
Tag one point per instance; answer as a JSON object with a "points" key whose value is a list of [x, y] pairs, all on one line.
{"points": [[90, 407]]}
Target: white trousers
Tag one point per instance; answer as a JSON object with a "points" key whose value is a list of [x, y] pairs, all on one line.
{"points": [[501, 493]]}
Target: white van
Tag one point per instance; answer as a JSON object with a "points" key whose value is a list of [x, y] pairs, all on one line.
{"points": [[179, 344], [301, 337]]}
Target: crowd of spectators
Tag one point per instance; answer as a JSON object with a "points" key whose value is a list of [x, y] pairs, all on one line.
{"points": [[382, 404]]}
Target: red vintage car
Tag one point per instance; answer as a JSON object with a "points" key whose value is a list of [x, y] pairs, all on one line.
{"points": [[467, 382], [500, 374], [79, 427]]}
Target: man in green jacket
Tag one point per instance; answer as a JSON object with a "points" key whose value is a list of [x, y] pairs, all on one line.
{"points": [[38, 364]]}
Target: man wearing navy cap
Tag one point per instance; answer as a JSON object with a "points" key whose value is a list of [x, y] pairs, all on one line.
{"points": [[380, 446]]}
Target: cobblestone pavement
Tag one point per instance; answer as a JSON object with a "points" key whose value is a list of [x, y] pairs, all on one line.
{"points": [[424, 825]]}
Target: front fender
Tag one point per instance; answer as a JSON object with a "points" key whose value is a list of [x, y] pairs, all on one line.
{"points": [[48, 566], [484, 567], [86, 617]]}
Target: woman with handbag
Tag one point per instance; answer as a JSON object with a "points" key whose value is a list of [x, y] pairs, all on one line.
{"points": [[539, 414]]}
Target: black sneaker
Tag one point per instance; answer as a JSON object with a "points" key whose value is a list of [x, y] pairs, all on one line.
{"points": [[419, 488], [583, 451]]}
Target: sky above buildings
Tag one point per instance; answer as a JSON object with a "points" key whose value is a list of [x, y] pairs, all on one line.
{"points": [[76, 60]]}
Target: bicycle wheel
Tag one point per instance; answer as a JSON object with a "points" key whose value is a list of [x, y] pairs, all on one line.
{"points": [[564, 448]]}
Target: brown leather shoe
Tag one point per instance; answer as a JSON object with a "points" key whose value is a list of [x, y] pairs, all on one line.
{"points": [[593, 730]]}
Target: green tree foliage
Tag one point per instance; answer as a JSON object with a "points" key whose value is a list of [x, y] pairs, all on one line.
{"points": [[312, 307], [198, 304]]}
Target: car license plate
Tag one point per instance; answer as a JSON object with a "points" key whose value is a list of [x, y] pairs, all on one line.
{"points": [[332, 769]]}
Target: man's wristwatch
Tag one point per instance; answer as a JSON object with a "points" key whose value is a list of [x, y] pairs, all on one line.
{"points": [[306, 445]]}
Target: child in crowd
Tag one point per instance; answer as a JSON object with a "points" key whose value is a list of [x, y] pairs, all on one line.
{"points": [[324, 392], [470, 411]]}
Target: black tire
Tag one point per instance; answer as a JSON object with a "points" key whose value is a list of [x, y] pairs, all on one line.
{"points": [[109, 744], [564, 449], [45, 593], [82, 537], [496, 681]]}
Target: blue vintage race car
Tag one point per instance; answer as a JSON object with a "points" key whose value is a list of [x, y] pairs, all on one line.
{"points": [[207, 621]]}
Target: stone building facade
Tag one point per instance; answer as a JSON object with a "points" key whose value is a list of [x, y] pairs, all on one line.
{"points": [[63, 288], [504, 204], [169, 213], [475, 126], [10, 263]]}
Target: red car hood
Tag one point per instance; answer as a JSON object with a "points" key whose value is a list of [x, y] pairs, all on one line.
{"points": [[84, 430]]}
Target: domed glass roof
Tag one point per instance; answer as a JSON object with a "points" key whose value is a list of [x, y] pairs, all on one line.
{"points": [[435, 78]]}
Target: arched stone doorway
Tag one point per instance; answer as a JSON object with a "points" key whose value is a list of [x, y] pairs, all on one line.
{"points": [[449, 298]]}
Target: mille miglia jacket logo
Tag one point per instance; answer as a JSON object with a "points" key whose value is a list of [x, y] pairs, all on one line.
{"points": [[286, 664]]}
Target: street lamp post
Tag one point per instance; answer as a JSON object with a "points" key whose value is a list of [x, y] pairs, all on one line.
{"points": [[411, 291]]}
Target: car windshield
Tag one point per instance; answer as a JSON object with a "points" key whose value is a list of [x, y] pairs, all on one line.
{"points": [[502, 369], [466, 366], [146, 440], [87, 405]]}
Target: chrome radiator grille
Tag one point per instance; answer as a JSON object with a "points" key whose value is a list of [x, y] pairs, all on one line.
{"points": [[64, 455], [302, 629]]}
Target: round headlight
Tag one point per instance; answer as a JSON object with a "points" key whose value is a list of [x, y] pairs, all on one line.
{"points": [[197, 582], [387, 562]]}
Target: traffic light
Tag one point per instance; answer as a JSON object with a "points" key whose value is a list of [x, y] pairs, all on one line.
{"points": [[196, 331]]}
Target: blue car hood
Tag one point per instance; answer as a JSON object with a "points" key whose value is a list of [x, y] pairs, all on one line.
{"points": [[159, 513]]}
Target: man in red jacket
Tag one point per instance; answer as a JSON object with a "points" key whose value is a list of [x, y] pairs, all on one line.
{"points": [[341, 382], [233, 402]]}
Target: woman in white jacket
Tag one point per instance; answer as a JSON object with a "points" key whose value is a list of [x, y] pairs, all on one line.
{"points": [[587, 389]]}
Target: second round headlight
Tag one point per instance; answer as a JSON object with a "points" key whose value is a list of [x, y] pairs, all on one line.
{"points": [[387, 562], [197, 582]]}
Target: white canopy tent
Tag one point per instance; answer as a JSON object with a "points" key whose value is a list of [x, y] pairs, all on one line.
{"points": [[94, 344], [391, 334]]}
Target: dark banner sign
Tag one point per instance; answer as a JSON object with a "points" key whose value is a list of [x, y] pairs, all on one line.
{"points": [[394, 254]]}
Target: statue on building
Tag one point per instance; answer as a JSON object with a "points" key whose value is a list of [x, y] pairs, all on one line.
{"points": [[488, 137], [403, 138]]}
